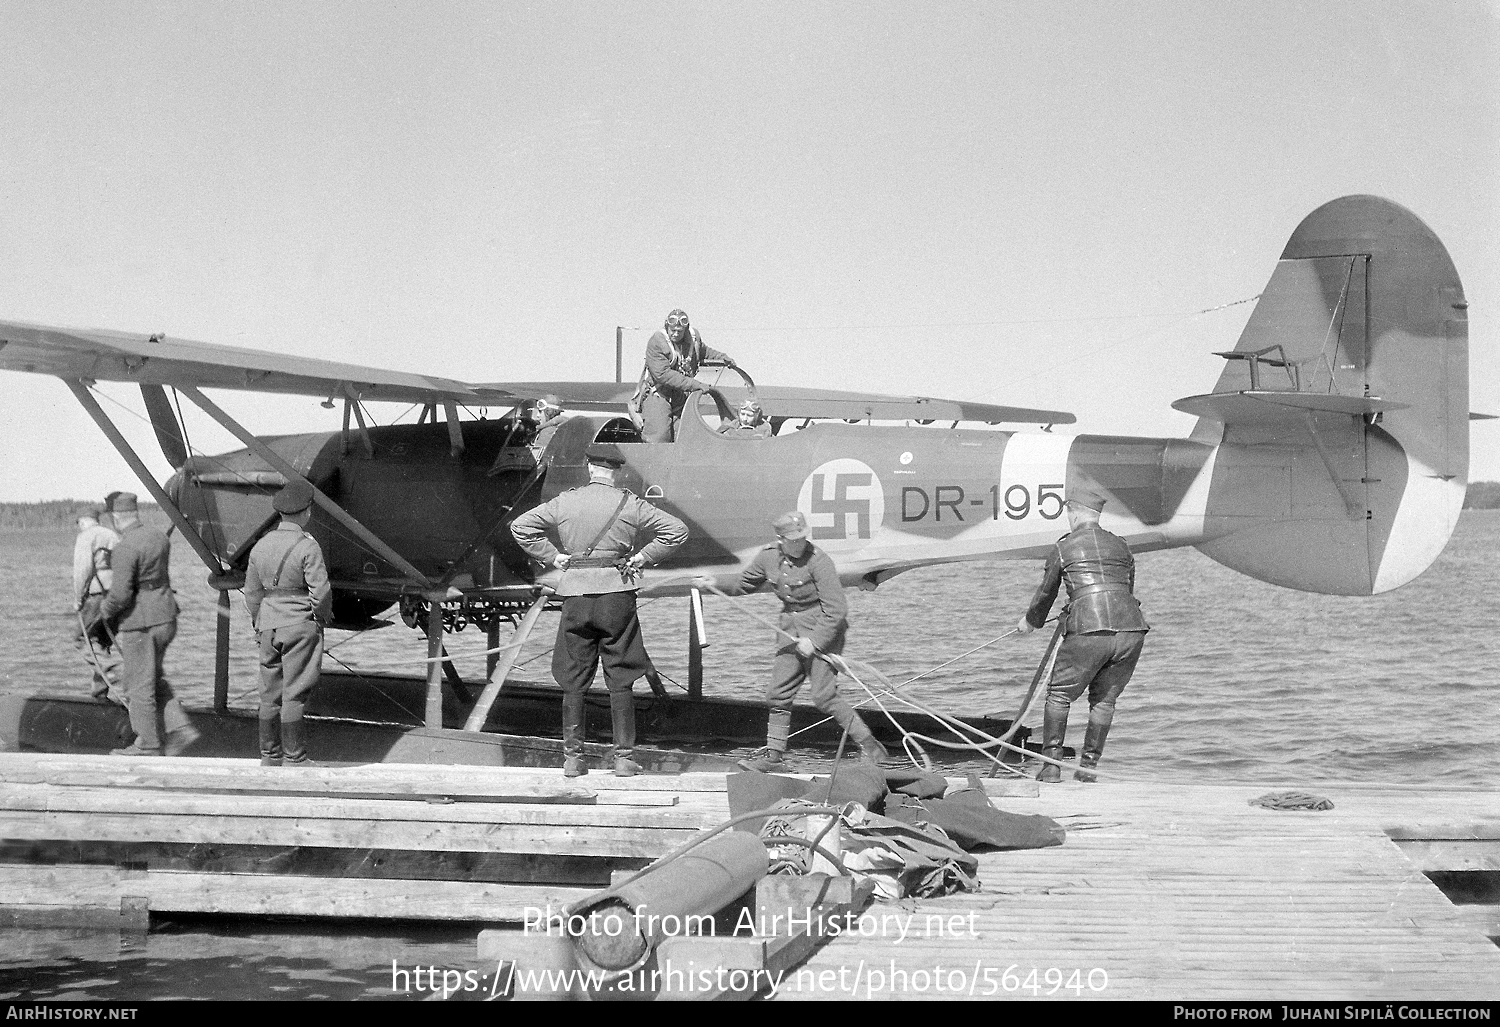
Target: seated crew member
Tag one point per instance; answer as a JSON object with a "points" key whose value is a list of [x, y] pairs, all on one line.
{"points": [[750, 423], [546, 413], [814, 619], [597, 529], [1103, 628], [672, 359]]}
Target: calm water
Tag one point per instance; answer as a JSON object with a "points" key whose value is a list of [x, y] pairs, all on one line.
{"points": [[1239, 681]]}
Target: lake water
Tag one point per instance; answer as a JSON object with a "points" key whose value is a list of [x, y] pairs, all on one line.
{"points": [[1239, 681]]}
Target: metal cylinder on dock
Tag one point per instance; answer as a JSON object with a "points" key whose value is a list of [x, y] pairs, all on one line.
{"points": [[617, 931]]}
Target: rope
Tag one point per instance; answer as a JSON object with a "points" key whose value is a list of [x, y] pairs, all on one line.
{"points": [[910, 739], [914, 677]]}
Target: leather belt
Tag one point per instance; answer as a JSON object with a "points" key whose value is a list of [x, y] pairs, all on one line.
{"points": [[1092, 590], [794, 608], [594, 561]]}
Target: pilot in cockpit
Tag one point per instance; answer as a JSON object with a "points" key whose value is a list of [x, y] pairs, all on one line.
{"points": [[673, 357], [546, 414], [750, 424]]}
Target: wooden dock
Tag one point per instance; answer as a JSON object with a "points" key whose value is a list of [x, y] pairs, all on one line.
{"points": [[1161, 891], [1180, 892]]}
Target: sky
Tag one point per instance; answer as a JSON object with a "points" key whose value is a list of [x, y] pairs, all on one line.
{"points": [[1047, 205]]}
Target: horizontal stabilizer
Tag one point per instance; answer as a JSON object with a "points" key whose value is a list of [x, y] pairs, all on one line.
{"points": [[1266, 408], [1343, 411]]}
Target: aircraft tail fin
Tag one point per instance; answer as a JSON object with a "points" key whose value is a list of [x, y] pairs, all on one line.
{"points": [[1343, 410]]}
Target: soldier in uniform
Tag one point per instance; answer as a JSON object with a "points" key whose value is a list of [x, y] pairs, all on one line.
{"points": [[287, 593], [750, 423], [814, 618], [1103, 630], [143, 609], [597, 529], [91, 579], [672, 359]]}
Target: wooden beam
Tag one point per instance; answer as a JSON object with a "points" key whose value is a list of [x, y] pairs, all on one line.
{"points": [[221, 655], [424, 835], [255, 895]]}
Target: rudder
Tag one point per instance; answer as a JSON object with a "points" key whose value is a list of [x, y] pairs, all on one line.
{"points": [[1343, 411]]}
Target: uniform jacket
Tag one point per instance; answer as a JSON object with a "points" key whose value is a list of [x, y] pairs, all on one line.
{"points": [[286, 581], [1099, 572], [669, 371], [569, 522], [543, 437], [91, 556], [140, 590], [808, 588]]}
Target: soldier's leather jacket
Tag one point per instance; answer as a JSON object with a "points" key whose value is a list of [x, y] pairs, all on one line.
{"points": [[1099, 573]]}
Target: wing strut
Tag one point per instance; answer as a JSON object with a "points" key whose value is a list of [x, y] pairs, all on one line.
{"points": [[455, 430], [335, 511], [142, 472], [216, 569]]}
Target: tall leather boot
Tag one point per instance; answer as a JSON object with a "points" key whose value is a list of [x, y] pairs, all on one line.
{"points": [[573, 731], [622, 711], [772, 758], [1054, 730], [270, 743], [294, 745], [861, 735], [1093, 748]]}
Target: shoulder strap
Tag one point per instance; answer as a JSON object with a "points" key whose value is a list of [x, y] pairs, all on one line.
{"points": [[276, 579], [624, 497]]}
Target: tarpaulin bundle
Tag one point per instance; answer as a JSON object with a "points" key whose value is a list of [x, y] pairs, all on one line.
{"points": [[904, 859], [900, 858], [968, 817], [1292, 801]]}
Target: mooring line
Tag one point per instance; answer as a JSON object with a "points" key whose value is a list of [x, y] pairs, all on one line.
{"points": [[956, 726]]}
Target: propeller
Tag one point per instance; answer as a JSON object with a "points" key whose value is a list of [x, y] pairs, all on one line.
{"points": [[168, 431]]}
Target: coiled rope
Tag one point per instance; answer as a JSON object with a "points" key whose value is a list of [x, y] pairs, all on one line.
{"points": [[981, 742]]}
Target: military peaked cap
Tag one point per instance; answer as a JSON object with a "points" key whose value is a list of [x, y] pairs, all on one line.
{"points": [[606, 453], [294, 497], [1087, 497]]}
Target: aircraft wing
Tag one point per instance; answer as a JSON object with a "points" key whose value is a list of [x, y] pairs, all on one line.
{"points": [[161, 360], [780, 401], [102, 355], [793, 402]]}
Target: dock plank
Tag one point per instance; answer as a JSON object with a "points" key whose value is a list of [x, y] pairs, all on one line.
{"points": [[1188, 892], [178, 892], [27, 825]]}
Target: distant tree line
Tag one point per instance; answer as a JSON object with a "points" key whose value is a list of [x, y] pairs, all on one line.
{"points": [[51, 513]]}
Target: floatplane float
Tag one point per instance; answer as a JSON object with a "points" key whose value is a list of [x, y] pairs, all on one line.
{"points": [[1331, 456]]}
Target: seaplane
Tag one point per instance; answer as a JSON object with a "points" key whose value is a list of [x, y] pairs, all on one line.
{"points": [[1330, 456]]}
